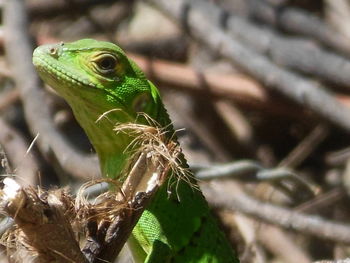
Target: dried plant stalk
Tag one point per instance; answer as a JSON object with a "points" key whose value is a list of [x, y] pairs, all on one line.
{"points": [[43, 224], [50, 225]]}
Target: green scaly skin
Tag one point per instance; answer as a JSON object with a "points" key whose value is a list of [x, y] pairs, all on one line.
{"points": [[95, 77]]}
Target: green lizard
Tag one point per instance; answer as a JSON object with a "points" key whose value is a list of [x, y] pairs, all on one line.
{"points": [[96, 77]]}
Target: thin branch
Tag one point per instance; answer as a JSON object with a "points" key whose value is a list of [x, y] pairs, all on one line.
{"points": [[338, 157], [305, 147], [248, 170], [236, 122], [322, 201]]}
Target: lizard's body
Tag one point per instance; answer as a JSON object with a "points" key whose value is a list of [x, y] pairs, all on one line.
{"points": [[96, 77]]}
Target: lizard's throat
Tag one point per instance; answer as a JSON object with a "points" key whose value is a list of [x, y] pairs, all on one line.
{"points": [[110, 146]]}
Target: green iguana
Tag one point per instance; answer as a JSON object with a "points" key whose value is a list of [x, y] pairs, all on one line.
{"points": [[96, 77]]}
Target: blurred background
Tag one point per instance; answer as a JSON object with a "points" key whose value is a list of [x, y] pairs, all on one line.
{"points": [[259, 91]]}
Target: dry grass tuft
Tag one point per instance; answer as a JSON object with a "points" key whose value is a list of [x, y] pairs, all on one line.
{"points": [[160, 146]]}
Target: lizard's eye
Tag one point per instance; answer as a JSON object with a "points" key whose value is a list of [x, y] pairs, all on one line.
{"points": [[106, 63]]}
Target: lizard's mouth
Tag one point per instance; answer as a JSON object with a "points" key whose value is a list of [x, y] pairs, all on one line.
{"points": [[46, 65]]}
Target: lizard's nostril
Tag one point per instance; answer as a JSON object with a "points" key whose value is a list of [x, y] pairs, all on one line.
{"points": [[53, 51]]}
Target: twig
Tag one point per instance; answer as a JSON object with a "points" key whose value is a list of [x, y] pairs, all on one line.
{"points": [[338, 157], [25, 165], [250, 170], [322, 201], [236, 122], [38, 116], [305, 147], [301, 90], [229, 195]]}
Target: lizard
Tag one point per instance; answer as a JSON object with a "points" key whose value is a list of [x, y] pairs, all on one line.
{"points": [[97, 77]]}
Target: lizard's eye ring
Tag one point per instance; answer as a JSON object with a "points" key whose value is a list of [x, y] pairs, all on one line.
{"points": [[106, 63]]}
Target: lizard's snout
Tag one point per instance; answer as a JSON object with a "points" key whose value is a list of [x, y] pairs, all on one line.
{"points": [[53, 50]]}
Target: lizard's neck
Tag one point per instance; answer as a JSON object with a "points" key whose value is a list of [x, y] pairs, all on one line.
{"points": [[110, 147]]}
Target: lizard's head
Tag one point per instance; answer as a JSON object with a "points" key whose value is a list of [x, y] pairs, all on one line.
{"points": [[97, 79], [98, 76]]}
